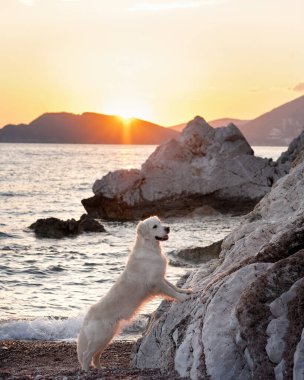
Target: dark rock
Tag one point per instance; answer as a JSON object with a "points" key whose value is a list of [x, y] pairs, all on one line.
{"points": [[294, 154], [89, 224], [199, 255], [56, 228]]}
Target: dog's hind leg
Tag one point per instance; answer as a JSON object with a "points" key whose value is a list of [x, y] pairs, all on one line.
{"points": [[96, 356], [81, 345], [94, 349], [87, 356]]}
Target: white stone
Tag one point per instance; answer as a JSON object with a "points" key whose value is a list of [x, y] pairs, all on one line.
{"points": [[220, 325], [279, 370], [298, 368]]}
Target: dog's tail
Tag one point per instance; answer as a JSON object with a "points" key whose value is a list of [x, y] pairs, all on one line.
{"points": [[81, 346]]}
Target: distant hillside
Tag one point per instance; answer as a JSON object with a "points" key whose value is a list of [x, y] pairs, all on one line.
{"points": [[88, 128], [225, 121], [277, 127], [214, 123], [178, 127]]}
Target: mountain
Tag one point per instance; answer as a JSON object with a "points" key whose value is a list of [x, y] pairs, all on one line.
{"points": [[214, 123], [277, 127], [88, 128], [178, 127], [225, 121]]}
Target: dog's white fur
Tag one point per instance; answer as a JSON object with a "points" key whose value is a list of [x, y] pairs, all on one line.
{"points": [[142, 278]]}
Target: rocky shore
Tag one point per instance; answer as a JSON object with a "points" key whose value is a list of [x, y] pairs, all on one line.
{"points": [[44, 360], [245, 317], [202, 167]]}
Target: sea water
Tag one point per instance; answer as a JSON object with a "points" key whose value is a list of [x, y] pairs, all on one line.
{"points": [[46, 285]]}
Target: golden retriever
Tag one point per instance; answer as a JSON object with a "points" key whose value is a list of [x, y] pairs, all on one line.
{"points": [[142, 278]]}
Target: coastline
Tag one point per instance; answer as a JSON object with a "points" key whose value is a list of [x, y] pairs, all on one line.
{"points": [[44, 360]]}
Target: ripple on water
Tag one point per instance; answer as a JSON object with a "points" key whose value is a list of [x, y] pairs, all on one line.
{"points": [[4, 235], [68, 274], [56, 268]]}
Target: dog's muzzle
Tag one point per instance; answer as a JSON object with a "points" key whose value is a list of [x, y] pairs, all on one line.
{"points": [[165, 237]]}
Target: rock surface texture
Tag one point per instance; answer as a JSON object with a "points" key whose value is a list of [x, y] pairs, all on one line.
{"points": [[56, 228], [203, 166], [245, 317]]}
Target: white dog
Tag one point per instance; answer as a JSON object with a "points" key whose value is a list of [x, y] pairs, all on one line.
{"points": [[143, 278]]}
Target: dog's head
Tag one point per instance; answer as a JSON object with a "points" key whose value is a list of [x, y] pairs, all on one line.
{"points": [[152, 229]]}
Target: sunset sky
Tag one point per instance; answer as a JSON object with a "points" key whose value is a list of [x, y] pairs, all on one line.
{"points": [[163, 61]]}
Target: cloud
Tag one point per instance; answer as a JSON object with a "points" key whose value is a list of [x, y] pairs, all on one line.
{"points": [[151, 6], [299, 87]]}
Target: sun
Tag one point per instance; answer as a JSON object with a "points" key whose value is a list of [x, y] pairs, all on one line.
{"points": [[126, 115], [128, 109]]}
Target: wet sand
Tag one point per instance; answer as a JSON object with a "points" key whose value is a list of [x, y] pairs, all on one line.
{"points": [[41, 360]]}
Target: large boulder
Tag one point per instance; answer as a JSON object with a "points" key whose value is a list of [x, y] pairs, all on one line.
{"points": [[245, 317], [203, 166]]}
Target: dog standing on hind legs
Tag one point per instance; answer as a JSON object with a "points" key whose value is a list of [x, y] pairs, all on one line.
{"points": [[142, 279]]}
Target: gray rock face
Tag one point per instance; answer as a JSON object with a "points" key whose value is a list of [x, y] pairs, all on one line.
{"points": [[245, 317], [200, 255], [203, 166], [293, 155]]}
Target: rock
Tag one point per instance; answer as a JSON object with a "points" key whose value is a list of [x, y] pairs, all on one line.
{"points": [[56, 228], [89, 224], [278, 326], [298, 369], [202, 167], [293, 155], [205, 210], [200, 255], [245, 317]]}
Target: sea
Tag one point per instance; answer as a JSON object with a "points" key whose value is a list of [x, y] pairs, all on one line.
{"points": [[46, 285]]}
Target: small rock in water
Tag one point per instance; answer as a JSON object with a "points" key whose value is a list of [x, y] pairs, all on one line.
{"points": [[57, 228], [199, 255]]}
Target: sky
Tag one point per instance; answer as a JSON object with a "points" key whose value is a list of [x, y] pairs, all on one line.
{"points": [[163, 61]]}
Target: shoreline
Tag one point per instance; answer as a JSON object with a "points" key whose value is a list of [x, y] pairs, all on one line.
{"points": [[45, 360]]}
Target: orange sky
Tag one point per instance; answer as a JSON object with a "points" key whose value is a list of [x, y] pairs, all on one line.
{"points": [[164, 61]]}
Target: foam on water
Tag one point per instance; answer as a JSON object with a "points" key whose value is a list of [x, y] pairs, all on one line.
{"points": [[50, 328]]}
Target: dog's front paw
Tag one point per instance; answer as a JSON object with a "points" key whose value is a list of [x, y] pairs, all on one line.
{"points": [[187, 291], [182, 297]]}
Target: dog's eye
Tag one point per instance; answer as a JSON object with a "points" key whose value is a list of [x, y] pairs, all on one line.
{"points": [[155, 226]]}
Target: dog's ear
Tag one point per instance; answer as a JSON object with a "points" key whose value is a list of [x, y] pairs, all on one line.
{"points": [[142, 229]]}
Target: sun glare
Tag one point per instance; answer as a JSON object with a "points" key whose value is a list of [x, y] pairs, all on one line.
{"points": [[128, 110]]}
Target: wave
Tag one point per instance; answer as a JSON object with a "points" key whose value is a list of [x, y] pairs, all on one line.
{"points": [[7, 194], [51, 328], [43, 328], [4, 235], [13, 194]]}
